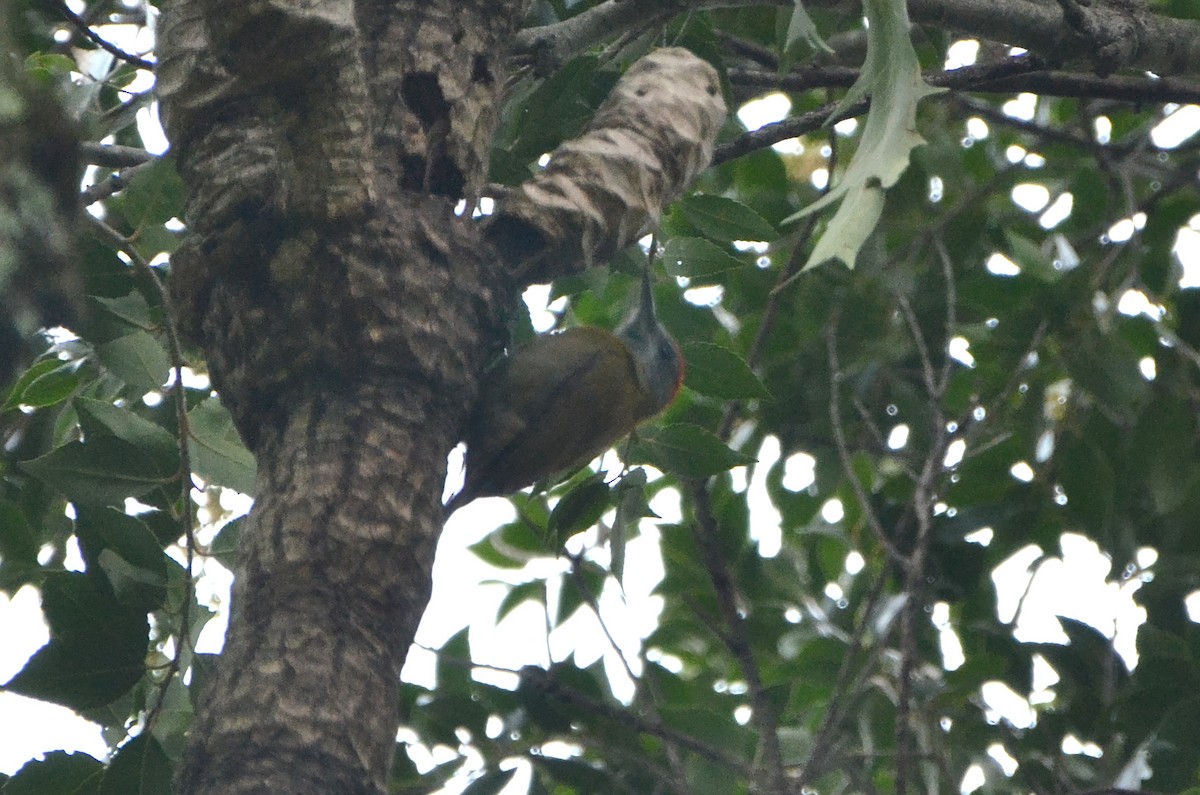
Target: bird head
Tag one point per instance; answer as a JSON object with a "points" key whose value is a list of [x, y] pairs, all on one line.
{"points": [[656, 355]]}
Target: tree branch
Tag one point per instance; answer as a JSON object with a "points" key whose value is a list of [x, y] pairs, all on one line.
{"points": [[1012, 75], [113, 155], [924, 495], [1142, 40], [539, 678], [115, 183], [80, 24], [845, 686], [648, 141], [705, 532], [1149, 42]]}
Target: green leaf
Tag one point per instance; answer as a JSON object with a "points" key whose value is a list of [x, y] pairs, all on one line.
{"points": [[131, 308], [45, 384], [719, 372], [140, 767], [1031, 257], [1154, 643], [570, 599], [510, 546], [726, 220], [17, 541], [520, 594], [177, 714], [59, 772], [224, 545], [891, 75], [487, 551], [688, 451], [1161, 452], [802, 28], [217, 452], [580, 508], [101, 418], [696, 257], [576, 774], [454, 661], [54, 65], [137, 359], [507, 169], [631, 507], [125, 550], [154, 195], [582, 587], [102, 471], [557, 109], [1108, 368], [96, 650]]}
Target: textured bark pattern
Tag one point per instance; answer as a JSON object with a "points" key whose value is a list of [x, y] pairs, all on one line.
{"points": [[337, 563], [434, 69], [345, 311], [652, 136], [345, 314]]}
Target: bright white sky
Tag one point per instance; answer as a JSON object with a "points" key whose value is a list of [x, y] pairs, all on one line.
{"points": [[1075, 581]]}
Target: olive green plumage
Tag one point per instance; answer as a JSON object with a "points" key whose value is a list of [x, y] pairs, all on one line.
{"points": [[562, 399]]}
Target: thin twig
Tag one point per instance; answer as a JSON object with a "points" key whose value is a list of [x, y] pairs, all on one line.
{"points": [[924, 496], [914, 328], [113, 155], [794, 265], [843, 450], [183, 434], [1022, 73], [951, 317], [908, 653], [1011, 75], [1177, 342], [115, 183], [80, 24], [594, 603], [738, 641], [838, 705], [590, 599], [747, 49], [546, 684]]}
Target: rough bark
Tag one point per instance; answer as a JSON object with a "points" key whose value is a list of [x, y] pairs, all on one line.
{"points": [[343, 309], [1104, 36], [345, 312], [650, 139]]}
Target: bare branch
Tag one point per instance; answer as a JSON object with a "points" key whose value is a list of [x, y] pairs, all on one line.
{"points": [[601, 191], [113, 155], [1132, 36], [115, 183]]}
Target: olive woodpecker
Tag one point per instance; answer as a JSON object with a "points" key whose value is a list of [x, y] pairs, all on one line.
{"points": [[562, 399]]}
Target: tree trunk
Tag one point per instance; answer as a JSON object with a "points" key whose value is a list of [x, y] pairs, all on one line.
{"points": [[344, 310]]}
